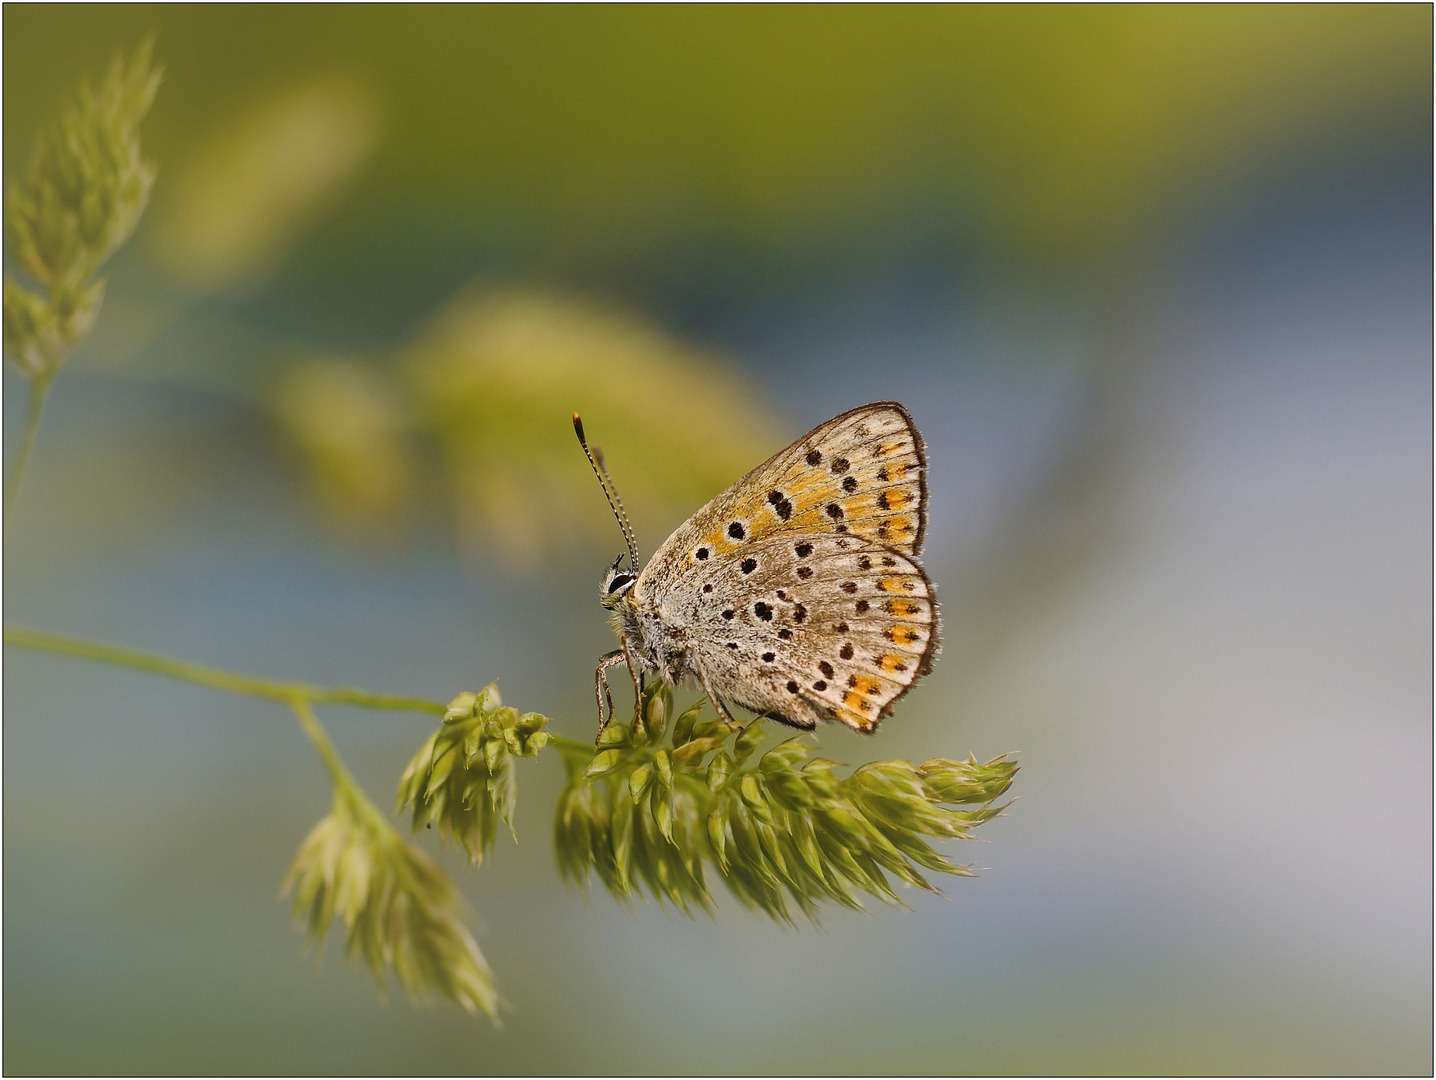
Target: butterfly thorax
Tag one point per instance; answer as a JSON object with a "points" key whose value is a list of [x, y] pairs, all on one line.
{"points": [[657, 638]]}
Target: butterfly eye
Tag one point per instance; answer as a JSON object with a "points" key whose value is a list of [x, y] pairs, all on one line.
{"points": [[621, 582]]}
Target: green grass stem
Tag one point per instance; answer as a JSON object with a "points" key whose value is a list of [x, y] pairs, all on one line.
{"points": [[230, 682]]}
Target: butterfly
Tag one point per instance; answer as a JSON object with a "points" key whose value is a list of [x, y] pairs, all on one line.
{"points": [[797, 592]]}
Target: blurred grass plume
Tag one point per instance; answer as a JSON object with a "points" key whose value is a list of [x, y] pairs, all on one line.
{"points": [[398, 910], [353, 437], [82, 197], [651, 815], [495, 378], [488, 388], [242, 199]]}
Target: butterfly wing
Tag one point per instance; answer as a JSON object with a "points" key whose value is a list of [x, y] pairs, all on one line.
{"points": [[862, 475], [810, 627]]}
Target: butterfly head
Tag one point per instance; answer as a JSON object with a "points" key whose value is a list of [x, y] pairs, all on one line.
{"points": [[616, 584]]}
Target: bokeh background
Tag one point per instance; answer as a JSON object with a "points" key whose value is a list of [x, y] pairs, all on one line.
{"points": [[1156, 284]]}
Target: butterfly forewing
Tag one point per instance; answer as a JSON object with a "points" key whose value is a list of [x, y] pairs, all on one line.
{"points": [[861, 475], [797, 592], [810, 627]]}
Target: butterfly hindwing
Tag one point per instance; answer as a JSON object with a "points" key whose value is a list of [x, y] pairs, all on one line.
{"points": [[810, 627], [860, 475]]}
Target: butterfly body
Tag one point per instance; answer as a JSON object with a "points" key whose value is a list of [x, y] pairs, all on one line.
{"points": [[797, 592]]}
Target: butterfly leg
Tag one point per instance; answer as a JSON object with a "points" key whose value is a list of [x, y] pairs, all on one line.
{"points": [[717, 702], [600, 686], [635, 671]]}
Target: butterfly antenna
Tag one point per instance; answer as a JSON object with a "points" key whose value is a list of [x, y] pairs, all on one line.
{"points": [[622, 513], [595, 459]]}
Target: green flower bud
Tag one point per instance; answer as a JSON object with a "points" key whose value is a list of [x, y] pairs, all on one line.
{"points": [[691, 752], [748, 740], [654, 715], [718, 834], [707, 729], [967, 781], [638, 782], [439, 772], [503, 793], [530, 722], [785, 756], [750, 790], [807, 844], [683, 726], [719, 769], [473, 739], [461, 708], [818, 774], [603, 762], [788, 790], [768, 841], [613, 735], [838, 821], [663, 768], [663, 813]]}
